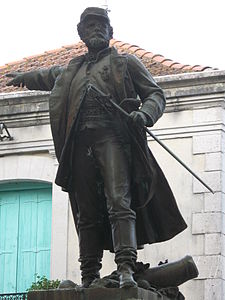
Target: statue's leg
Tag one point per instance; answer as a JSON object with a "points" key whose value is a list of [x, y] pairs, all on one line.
{"points": [[113, 157], [89, 216], [90, 258]]}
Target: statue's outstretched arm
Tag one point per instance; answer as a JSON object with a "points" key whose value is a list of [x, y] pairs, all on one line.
{"points": [[43, 79], [17, 79]]}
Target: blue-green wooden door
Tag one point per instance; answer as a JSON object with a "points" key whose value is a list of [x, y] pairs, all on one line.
{"points": [[25, 234]]}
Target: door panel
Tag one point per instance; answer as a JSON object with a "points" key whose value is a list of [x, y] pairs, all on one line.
{"points": [[9, 211], [32, 235]]}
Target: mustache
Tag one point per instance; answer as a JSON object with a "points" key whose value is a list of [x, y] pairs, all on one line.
{"points": [[98, 34], [97, 42]]}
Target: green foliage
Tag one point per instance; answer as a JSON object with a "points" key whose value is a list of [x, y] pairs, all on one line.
{"points": [[42, 283]]}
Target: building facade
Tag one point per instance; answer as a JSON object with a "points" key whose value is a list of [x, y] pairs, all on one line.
{"points": [[36, 225]]}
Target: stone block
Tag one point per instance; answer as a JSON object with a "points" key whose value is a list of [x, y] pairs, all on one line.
{"points": [[212, 179], [223, 142], [223, 223], [207, 143], [97, 294], [210, 267], [207, 115], [213, 202], [206, 223], [223, 182], [223, 246], [213, 243], [197, 244], [223, 267], [213, 161], [213, 289], [197, 203], [193, 289], [223, 203]]}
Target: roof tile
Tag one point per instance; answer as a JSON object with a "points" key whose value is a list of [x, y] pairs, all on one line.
{"points": [[178, 66], [134, 49], [157, 64], [197, 68], [117, 43], [148, 54], [159, 58], [126, 46], [168, 63], [188, 67], [140, 52]]}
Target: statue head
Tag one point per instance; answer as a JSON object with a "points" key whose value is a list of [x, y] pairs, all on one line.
{"points": [[94, 28]]}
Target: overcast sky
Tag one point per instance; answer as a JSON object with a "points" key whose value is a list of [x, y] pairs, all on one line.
{"points": [[186, 31]]}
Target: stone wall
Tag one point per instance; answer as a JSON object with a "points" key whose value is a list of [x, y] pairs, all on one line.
{"points": [[201, 97], [192, 127], [30, 156]]}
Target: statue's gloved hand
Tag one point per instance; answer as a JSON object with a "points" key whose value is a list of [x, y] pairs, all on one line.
{"points": [[138, 118], [130, 104], [18, 79]]}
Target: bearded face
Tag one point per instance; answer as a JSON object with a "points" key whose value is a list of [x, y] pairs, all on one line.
{"points": [[96, 33], [97, 43]]}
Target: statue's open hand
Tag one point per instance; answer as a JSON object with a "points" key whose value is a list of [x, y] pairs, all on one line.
{"points": [[138, 118], [18, 79]]}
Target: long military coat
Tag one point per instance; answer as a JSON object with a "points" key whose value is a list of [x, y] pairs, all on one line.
{"points": [[158, 217]]}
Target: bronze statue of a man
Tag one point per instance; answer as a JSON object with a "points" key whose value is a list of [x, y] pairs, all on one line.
{"points": [[119, 196]]}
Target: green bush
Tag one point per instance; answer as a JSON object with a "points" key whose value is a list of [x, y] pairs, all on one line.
{"points": [[42, 283]]}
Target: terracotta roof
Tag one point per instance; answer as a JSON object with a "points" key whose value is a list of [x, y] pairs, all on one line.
{"points": [[156, 63]]}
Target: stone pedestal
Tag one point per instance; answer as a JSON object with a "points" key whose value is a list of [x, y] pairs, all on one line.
{"points": [[96, 294]]}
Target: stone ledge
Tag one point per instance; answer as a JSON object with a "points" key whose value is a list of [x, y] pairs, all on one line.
{"points": [[191, 79], [210, 222], [96, 294]]}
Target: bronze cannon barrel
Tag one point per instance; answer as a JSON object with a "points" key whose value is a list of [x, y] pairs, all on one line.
{"points": [[170, 274]]}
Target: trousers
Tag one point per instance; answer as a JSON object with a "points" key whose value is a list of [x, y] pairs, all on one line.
{"points": [[101, 155], [102, 166]]}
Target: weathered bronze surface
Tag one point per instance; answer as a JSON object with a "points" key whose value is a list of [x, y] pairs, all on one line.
{"points": [[119, 196], [169, 274]]}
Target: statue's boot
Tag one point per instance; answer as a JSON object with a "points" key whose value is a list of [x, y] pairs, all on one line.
{"points": [[170, 274], [90, 267], [91, 253], [125, 247], [126, 276]]}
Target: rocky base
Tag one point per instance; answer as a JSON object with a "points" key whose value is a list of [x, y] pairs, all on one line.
{"points": [[100, 294]]}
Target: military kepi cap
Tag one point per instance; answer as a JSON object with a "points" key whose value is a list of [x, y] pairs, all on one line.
{"points": [[94, 11]]}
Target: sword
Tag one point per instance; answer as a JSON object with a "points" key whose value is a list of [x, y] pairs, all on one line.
{"points": [[154, 137]]}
